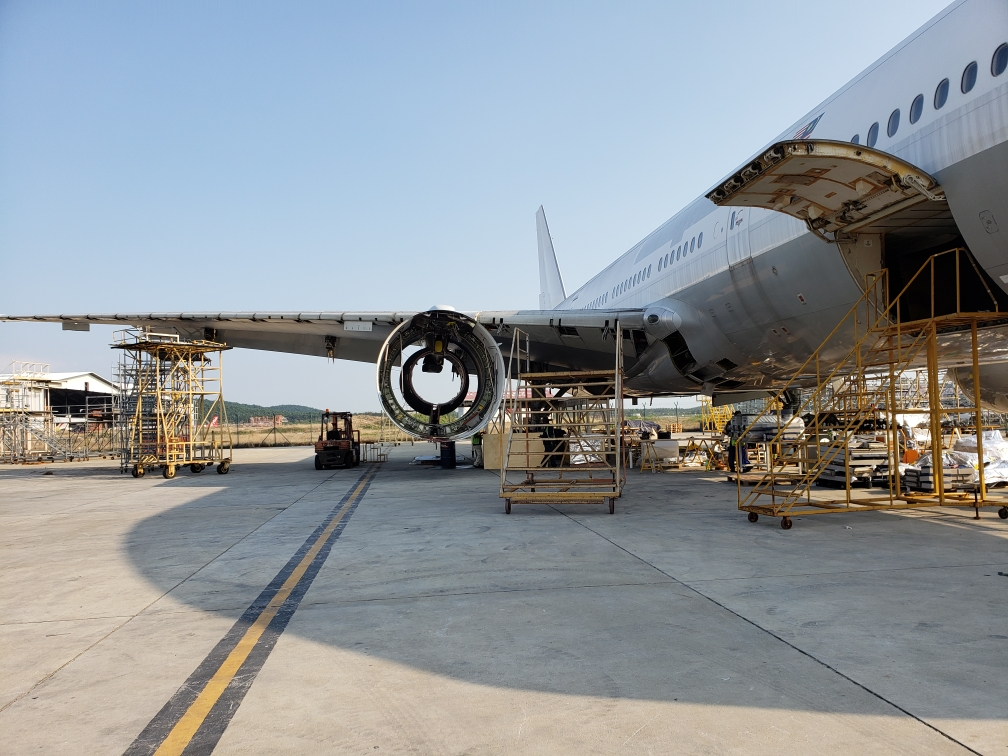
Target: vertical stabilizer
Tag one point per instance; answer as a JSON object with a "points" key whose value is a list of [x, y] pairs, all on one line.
{"points": [[551, 288]]}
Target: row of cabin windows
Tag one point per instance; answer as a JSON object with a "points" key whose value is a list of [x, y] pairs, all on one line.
{"points": [[597, 302], [639, 277], [999, 62], [645, 273], [681, 251]]}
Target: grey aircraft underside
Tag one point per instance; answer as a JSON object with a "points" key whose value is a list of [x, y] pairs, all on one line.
{"points": [[735, 291]]}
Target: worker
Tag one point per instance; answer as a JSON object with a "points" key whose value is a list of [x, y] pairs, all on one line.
{"points": [[334, 434], [477, 449], [733, 429]]}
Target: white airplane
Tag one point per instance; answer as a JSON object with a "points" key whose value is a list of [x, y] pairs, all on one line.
{"points": [[736, 290]]}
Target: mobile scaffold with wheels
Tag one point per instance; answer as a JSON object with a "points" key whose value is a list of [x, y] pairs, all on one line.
{"points": [[172, 405]]}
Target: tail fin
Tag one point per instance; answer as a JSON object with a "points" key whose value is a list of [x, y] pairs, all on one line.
{"points": [[551, 288]]}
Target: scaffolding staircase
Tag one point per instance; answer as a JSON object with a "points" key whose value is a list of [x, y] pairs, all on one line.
{"points": [[172, 406], [854, 405], [563, 433], [714, 419], [27, 434]]}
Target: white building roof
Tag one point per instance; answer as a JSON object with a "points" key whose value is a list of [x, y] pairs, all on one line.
{"points": [[72, 381]]}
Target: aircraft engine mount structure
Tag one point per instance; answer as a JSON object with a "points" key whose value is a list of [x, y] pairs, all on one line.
{"points": [[443, 336]]}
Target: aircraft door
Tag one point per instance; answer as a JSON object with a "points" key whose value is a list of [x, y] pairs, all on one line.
{"points": [[739, 251]]}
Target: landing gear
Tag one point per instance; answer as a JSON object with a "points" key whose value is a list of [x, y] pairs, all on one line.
{"points": [[168, 471], [196, 467], [1003, 513], [507, 506], [752, 517], [785, 523], [223, 467]]}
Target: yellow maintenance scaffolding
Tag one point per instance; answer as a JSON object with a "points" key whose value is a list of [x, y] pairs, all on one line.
{"points": [[172, 404], [562, 433], [713, 419], [856, 404]]}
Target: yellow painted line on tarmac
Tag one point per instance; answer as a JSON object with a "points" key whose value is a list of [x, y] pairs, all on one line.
{"points": [[184, 730]]}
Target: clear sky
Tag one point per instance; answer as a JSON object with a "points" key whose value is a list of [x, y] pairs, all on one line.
{"points": [[301, 156]]}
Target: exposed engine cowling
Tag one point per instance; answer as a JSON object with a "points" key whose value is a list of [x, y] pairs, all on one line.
{"points": [[443, 336]]}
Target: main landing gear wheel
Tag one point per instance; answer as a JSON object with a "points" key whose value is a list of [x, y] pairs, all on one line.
{"points": [[1003, 513], [223, 467], [507, 506], [318, 462], [168, 471], [785, 522], [752, 517]]}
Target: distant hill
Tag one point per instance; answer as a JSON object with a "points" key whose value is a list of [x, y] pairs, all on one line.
{"points": [[295, 413]]}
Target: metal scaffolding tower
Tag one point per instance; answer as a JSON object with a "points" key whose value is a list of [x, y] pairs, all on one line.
{"points": [[893, 370], [564, 434], [28, 432], [172, 405]]}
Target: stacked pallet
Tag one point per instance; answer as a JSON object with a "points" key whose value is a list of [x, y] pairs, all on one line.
{"points": [[866, 459], [921, 477]]}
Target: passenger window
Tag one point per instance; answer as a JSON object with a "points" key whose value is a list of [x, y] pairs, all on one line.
{"points": [[856, 139], [659, 264], [941, 94], [678, 250], [1000, 60], [649, 271], [692, 244], [667, 259], [731, 223], [969, 77], [873, 134], [699, 240], [916, 108], [893, 125]]}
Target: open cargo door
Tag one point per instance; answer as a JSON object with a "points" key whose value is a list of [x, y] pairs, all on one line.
{"points": [[836, 188]]}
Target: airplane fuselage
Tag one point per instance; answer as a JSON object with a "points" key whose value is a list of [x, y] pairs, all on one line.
{"points": [[758, 290]]}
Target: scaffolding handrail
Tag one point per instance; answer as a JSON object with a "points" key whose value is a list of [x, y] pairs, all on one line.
{"points": [[872, 282], [578, 423], [862, 391]]}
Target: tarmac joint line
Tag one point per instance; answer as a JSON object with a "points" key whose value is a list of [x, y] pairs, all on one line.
{"points": [[769, 632], [195, 718]]}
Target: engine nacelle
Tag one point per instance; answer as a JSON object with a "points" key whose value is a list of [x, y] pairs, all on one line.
{"points": [[443, 336]]}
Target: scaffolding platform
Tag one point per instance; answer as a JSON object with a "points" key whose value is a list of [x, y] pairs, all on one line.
{"points": [[864, 395], [562, 432], [34, 428], [172, 404]]}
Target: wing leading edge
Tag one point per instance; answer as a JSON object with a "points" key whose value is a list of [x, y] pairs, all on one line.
{"points": [[574, 339]]}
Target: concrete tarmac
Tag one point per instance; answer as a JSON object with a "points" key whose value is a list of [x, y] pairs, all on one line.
{"points": [[438, 624]]}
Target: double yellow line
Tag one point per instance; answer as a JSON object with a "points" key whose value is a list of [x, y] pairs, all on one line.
{"points": [[184, 730]]}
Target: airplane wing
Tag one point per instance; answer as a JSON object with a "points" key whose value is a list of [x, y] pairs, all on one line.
{"points": [[581, 339]]}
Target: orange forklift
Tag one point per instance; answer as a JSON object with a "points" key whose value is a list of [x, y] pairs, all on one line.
{"points": [[338, 443]]}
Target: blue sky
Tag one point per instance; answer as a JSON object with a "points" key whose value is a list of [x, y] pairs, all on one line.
{"points": [[252, 156]]}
